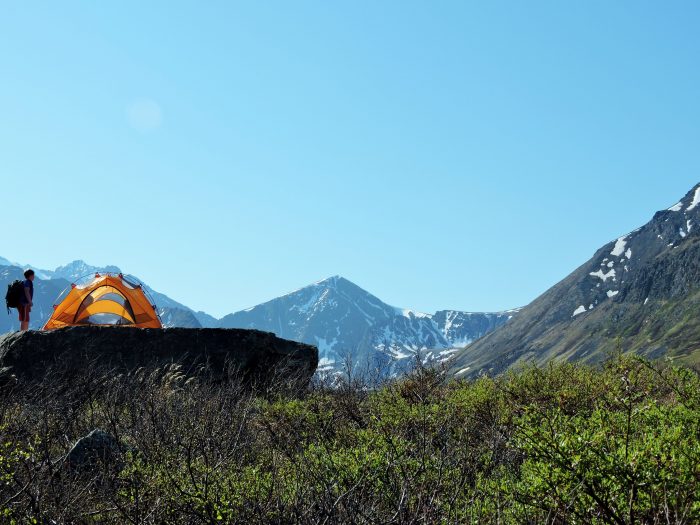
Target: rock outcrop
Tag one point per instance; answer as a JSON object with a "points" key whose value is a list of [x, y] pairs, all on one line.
{"points": [[218, 353]]}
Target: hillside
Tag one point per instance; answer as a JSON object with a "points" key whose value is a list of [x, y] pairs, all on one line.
{"points": [[639, 293]]}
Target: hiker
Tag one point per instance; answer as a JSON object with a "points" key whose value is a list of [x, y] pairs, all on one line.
{"points": [[26, 300]]}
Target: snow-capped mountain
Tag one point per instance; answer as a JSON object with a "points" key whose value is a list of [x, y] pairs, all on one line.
{"points": [[345, 321], [77, 269], [639, 293], [41, 274]]}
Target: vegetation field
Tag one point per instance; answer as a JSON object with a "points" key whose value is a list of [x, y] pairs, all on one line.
{"points": [[562, 444]]}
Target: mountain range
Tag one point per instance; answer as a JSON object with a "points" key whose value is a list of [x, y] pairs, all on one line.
{"points": [[639, 293], [346, 322]]}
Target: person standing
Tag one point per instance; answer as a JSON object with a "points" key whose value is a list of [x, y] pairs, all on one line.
{"points": [[26, 300]]}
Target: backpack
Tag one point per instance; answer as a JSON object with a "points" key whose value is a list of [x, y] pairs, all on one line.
{"points": [[14, 295]]}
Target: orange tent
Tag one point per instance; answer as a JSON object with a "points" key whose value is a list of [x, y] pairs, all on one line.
{"points": [[105, 300]]}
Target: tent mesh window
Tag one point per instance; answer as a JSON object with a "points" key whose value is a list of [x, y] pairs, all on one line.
{"points": [[105, 305]]}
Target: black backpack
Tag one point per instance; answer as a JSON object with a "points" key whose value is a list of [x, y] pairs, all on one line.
{"points": [[14, 295]]}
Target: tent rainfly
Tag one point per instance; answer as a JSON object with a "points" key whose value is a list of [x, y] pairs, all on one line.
{"points": [[106, 300]]}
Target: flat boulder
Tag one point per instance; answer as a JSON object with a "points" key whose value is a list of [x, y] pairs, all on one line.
{"points": [[217, 352]]}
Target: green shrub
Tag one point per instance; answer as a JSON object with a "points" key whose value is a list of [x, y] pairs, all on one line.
{"points": [[562, 444]]}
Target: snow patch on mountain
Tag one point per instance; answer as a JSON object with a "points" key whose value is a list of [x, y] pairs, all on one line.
{"points": [[619, 248], [411, 313], [604, 276], [696, 199], [580, 310]]}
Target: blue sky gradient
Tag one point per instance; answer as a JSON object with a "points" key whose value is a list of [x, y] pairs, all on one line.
{"points": [[440, 154]]}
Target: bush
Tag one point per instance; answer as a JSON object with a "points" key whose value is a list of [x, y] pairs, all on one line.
{"points": [[562, 444]]}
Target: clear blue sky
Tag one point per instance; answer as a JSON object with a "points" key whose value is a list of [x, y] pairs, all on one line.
{"points": [[439, 154]]}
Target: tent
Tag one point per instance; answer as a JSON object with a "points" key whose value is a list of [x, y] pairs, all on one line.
{"points": [[108, 299]]}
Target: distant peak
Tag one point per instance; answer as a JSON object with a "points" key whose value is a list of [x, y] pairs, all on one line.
{"points": [[341, 283], [692, 193], [78, 263], [329, 280], [79, 268], [689, 202]]}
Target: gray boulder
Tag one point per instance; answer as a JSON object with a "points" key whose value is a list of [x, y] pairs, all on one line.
{"points": [[217, 353], [97, 446]]}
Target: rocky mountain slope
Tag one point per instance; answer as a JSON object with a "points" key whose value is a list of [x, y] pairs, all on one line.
{"points": [[347, 322], [638, 293]]}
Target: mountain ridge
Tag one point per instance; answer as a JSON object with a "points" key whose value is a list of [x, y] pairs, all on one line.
{"points": [[637, 293], [373, 330]]}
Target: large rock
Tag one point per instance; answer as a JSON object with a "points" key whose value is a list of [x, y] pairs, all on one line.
{"points": [[255, 355], [97, 446]]}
